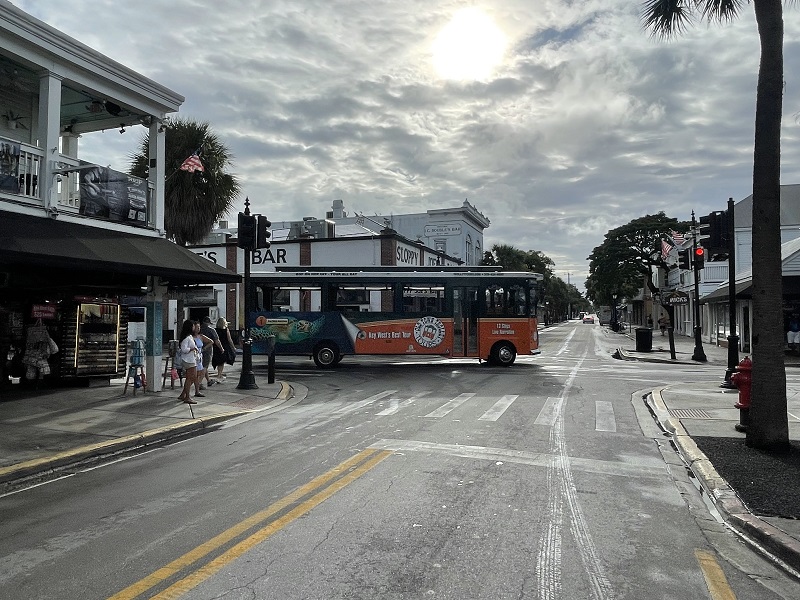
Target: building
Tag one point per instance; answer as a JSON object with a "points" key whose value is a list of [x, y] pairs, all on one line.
{"points": [[75, 237]]}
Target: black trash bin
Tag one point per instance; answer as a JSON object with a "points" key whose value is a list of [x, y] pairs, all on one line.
{"points": [[644, 339]]}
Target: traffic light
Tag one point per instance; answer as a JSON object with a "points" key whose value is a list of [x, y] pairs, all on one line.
{"points": [[262, 232], [715, 226], [699, 258], [246, 232], [683, 260]]}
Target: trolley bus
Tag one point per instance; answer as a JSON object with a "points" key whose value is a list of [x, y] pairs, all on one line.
{"points": [[329, 313]]}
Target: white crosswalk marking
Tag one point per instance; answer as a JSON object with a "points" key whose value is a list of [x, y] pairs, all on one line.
{"points": [[549, 413], [604, 416], [498, 409], [366, 402], [448, 406], [395, 404]]}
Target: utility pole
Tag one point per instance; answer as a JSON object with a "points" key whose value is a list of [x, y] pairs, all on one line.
{"points": [[699, 355]]}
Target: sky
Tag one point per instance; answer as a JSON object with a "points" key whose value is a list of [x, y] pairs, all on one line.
{"points": [[557, 119]]}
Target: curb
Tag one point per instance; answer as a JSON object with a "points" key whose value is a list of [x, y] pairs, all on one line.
{"points": [[39, 466], [733, 511]]}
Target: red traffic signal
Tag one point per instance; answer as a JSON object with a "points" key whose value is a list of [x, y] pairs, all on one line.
{"points": [[699, 258]]}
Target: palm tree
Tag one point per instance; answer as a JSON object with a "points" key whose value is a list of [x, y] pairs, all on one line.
{"points": [[193, 200], [769, 427]]}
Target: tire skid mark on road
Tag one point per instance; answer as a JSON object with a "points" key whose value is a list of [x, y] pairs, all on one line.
{"points": [[561, 489]]}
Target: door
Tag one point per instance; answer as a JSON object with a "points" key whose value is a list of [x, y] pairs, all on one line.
{"points": [[465, 321]]}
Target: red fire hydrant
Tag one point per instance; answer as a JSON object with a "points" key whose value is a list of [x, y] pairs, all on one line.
{"points": [[743, 379]]}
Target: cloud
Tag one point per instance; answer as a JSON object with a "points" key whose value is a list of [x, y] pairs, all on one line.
{"points": [[586, 124]]}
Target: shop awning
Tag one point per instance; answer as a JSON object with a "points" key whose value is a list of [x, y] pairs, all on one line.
{"points": [[721, 293], [30, 241]]}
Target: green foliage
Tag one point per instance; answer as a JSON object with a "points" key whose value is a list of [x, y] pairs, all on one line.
{"points": [[627, 256], [193, 201]]}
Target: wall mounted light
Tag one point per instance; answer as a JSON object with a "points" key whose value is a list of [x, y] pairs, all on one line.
{"points": [[122, 127]]}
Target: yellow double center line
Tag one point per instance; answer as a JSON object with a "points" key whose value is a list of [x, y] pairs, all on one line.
{"points": [[334, 480]]}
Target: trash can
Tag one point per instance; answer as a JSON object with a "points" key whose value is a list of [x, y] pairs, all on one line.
{"points": [[644, 339]]}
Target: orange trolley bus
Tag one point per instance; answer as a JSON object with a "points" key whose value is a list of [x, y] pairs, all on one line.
{"points": [[329, 313]]}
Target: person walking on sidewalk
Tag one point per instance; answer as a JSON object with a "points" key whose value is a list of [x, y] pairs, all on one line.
{"points": [[226, 354], [188, 355], [793, 335], [210, 333], [203, 343]]}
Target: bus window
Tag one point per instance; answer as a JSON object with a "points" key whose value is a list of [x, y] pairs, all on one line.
{"points": [[423, 300]]}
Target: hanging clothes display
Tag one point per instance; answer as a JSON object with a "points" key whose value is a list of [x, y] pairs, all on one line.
{"points": [[39, 346]]}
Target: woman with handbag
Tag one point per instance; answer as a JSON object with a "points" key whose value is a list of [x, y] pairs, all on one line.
{"points": [[189, 354], [227, 354]]}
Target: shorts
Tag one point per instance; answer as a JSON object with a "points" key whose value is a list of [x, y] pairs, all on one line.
{"points": [[793, 337], [188, 364]]}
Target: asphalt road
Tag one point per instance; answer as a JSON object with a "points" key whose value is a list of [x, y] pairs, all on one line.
{"points": [[400, 479]]}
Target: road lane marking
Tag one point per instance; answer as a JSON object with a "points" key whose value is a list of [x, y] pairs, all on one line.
{"points": [[566, 343], [715, 578], [449, 406], [549, 413], [499, 408], [174, 567], [648, 469], [604, 416]]}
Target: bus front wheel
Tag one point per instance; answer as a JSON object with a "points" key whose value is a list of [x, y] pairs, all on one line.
{"points": [[326, 355], [503, 354]]}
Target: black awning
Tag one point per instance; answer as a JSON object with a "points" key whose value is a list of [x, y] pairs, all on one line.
{"points": [[27, 240], [742, 291]]}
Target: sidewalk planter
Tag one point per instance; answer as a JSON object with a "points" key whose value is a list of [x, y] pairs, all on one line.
{"points": [[644, 339]]}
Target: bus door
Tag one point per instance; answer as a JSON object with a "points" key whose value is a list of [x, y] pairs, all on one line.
{"points": [[465, 321]]}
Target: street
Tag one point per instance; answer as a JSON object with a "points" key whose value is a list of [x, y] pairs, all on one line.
{"points": [[401, 478]]}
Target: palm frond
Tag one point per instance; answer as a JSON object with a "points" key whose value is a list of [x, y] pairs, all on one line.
{"points": [[667, 18]]}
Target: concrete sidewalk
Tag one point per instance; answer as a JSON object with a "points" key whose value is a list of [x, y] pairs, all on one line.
{"points": [[756, 493], [47, 429]]}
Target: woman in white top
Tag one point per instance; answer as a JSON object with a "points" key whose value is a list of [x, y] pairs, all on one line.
{"points": [[189, 353]]}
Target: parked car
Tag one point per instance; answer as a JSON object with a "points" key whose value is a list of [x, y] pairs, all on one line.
{"points": [[588, 319]]}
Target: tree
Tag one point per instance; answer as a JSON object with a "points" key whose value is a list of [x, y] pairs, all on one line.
{"points": [[769, 424], [193, 201], [627, 256]]}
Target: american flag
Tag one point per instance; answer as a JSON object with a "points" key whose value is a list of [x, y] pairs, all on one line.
{"points": [[665, 248], [192, 164], [678, 238]]}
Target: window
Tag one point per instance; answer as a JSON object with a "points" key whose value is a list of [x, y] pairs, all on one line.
{"points": [[423, 299], [468, 251]]}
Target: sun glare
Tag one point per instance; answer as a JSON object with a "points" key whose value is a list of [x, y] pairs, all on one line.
{"points": [[469, 47]]}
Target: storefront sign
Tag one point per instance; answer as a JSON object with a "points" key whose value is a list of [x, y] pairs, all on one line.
{"points": [[43, 311], [407, 255], [443, 229], [109, 194], [677, 298]]}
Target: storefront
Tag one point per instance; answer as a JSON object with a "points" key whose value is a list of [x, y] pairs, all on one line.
{"points": [[63, 287]]}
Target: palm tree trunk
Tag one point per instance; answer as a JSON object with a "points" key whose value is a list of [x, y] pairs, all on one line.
{"points": [[769, 427]]}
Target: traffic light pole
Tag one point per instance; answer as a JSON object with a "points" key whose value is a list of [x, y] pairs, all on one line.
{"points": [[699, 354], [247, 379], [733, 339]]}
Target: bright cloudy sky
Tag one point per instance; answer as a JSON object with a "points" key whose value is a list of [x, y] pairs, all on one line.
{"points": [[557, 119]]}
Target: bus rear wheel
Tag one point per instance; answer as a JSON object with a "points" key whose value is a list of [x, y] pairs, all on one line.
{"points": [[326, 355], [503, 354]]}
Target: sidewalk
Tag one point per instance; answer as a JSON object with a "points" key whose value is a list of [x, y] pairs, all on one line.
{"points": [[46, 429], [756, 493]]}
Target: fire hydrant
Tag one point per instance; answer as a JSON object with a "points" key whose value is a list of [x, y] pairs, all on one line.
{"points": [[743, 380]]}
